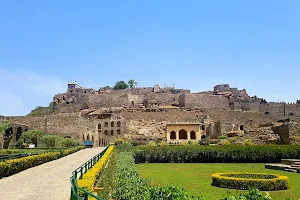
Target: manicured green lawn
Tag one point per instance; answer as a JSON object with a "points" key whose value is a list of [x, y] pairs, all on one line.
{"points": [[196, 178]]}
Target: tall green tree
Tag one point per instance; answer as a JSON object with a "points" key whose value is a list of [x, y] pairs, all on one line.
{"points": [[120, 85], [132, 83]]}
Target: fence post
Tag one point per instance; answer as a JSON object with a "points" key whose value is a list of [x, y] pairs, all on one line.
{"points": [[81, 171]]}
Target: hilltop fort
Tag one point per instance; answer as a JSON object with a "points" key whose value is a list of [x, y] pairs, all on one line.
{"points": [[161, 113]]}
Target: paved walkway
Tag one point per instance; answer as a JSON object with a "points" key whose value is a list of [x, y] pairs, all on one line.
{"points": [[47, 181]]}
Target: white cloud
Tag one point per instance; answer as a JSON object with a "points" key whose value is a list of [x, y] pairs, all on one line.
{"points": [[22, 91]]}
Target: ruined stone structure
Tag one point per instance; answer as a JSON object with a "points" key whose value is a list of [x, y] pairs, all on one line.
{"points": [[153, 113]]}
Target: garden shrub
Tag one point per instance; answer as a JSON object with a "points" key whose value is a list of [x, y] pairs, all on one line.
{"points": [[10, 167], [151, 144], [216, 154], [244, 181], [13, 166], [253, 194], [248, 142]]}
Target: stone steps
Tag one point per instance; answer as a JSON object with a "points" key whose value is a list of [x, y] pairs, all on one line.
{"points": [[289, 165], [290, 170]]}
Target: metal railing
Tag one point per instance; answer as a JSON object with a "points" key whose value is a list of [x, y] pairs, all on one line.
{"points": [[77, 174]]}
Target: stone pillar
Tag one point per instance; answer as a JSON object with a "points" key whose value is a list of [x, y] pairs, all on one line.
{"points": [[168, 136], [189, 135], [177, 136]]}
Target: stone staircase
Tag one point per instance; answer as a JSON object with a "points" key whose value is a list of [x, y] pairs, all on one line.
{"points": [[289, 165]]}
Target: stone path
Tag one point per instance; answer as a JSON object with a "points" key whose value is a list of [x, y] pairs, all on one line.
{"points": [[47, 181]]}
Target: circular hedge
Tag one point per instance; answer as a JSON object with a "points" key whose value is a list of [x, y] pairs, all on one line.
{"points": [[244, 181]]}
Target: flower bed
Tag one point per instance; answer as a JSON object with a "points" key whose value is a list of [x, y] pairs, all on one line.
{"points": [[244, 181], [88, 179]]}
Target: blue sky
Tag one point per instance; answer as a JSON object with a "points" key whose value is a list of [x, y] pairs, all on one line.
{"points": [[194, 44]]}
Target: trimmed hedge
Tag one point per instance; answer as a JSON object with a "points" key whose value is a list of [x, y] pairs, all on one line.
{"points": [[216, 154], [244, 181], [88, 179], [10, 167]]}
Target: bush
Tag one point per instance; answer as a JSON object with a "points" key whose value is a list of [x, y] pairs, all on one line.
{"points": [[253, 194], [184, 143], [225, 142], [248, 142], [163, 143], [50, 141], [10, 167], [244, 181], [13, 166], [151, 144], [68, 142], [216, 154], [223, 137]]}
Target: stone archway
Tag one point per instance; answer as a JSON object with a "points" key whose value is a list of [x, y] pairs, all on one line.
{"points": [[173, 135], [182, 134], [193, 135], [19, 133]]}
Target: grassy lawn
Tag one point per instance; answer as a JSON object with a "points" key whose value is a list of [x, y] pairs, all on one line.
{"points": [[196, 178]]}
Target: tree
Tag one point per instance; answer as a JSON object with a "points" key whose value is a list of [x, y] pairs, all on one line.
{"points": [[132, 83], [120, 85], [32, 136]]}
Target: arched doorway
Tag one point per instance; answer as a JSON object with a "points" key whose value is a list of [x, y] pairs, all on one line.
{"points": [[203, 137], [19, 133], [173, 135], [88, 137], [182, 134], [193, 135]]}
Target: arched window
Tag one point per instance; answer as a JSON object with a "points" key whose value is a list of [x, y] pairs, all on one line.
{"points": [[99, 126], [112, 124], [105, 132], [118, 124], [105, 124], [182, 134], [19, 133], [112, 132], [193, 135], [118, 132], [173, 135]]}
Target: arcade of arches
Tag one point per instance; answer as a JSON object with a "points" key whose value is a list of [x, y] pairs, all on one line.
{"points": [[183, 131], [102, 141]]}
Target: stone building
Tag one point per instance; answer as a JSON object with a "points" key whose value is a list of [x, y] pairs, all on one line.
{"points": [[182, 131]]}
